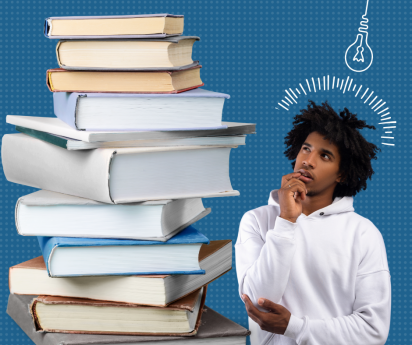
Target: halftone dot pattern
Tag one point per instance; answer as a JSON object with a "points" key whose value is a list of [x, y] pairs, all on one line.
{"points": [[253, 51]]}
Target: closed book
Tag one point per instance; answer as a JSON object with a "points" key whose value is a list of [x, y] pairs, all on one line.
{"points": [[128, 26], [172, 53], [57, 127], [85, 316], [45, 213], [74, 144], [73, 256], [31, 278], [121, 175], [159, 81], [194, 109], [214, 329]]}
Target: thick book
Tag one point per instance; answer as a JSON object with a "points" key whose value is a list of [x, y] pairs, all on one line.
{"points": [[121, 175], [73, 144], [214, 329], [198, 108], [171, 53], [31, 278], [46, 213], [159, 81], [85, 316], [74, 256], [57, 127], [128, 26]]}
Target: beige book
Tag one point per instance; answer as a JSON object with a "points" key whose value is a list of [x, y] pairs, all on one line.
{"points": [[124, 82], [125, 54]]}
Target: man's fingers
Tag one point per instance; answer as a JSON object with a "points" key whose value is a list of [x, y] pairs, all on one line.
{"points": [[269, 305], [250, 308], [288, 177]]}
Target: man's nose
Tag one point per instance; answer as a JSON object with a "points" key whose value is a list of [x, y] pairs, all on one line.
{"points": [[310, 161]]}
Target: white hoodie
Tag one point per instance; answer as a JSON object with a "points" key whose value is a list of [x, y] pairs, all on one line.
{"points": [[329, 269]]}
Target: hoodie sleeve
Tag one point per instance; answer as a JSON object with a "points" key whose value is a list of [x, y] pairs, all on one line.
{"points": [[370, 319], [263, 265]]}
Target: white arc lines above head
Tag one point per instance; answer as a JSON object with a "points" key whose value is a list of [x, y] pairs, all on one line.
{"points": [[339, 84]]}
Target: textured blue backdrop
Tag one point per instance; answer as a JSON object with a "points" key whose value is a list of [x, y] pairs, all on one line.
{"points": [[253, 51]]}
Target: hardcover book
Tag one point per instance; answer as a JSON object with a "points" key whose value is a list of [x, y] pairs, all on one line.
{"points": [[57, 127], [85, 316], [159, 81], [73, 256], [194, 109], [129, 26], [73, 144], [46, 213], [172, 53], [214, 329], [31, 278], [121, 175]]}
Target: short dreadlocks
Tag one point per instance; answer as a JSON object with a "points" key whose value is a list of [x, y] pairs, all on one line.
{"points": [[356, 153]]}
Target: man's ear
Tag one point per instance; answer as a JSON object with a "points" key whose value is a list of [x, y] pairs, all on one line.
{"points": [[340, 178]]}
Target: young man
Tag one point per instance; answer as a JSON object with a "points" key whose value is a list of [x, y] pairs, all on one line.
{"points": [[310, 270]]}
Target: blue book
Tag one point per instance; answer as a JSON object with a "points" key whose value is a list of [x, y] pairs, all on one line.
{"points": [[72, 257], [196, 109]]}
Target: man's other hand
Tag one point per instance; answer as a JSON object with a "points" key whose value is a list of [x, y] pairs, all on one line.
{"points": [[291, 194], [276, 320]]}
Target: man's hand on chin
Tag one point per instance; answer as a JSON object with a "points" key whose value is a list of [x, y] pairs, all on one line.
{"points": [[275, 320]]}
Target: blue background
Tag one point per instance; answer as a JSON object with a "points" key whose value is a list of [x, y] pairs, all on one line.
{"points": [[252, 51]]}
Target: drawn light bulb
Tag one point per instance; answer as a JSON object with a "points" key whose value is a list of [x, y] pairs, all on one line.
{"points": [[359, 55]]}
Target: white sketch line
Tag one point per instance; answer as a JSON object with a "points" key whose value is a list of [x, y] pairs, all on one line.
{"points": [[341, 85], [293, 92], [388, 132], [308, 85], [368, 97], [373, 100], [277, 108], [390, 127], [283, 106], [385, 114], [383, 110], [289, 100], [387, 118], [333, 83], [285, 103], [350, 84], [358, 90], [319, 84], [385, 123], [387, 137], [297, 91], [354, 88], [303, 88], [365, 93], [388, 144], [337, 83], [314, 86], [290, 97], [344, 89], [328, 82], [380, 106], [324, 83], [376, 104]]}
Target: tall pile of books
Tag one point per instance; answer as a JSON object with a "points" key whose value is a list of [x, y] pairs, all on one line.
{"points": [[122, 170]]}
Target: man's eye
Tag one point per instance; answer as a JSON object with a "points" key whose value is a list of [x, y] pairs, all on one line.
{"points": [[325, 156], [306, 149]]}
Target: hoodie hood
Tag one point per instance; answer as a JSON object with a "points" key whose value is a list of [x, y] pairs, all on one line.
{"points": [[339, 204]]}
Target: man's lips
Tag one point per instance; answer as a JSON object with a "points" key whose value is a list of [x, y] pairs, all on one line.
{"points": [[306, 175]]}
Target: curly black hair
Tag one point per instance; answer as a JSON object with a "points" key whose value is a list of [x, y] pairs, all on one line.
{"points": [[355, 151]]}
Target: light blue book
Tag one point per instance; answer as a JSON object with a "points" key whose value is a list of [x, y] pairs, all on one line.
{"points": [[196, 109], [71, 257]]}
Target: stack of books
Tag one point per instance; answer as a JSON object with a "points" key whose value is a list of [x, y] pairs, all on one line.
{"points": [[122, 170]]}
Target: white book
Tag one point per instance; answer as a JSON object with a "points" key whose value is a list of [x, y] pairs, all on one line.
{"points": [[46, 213], [56, 126], [118, 176]]}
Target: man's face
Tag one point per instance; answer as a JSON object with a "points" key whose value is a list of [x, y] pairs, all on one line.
{"points": [[319, 160]]}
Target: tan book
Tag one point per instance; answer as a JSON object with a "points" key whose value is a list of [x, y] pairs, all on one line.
{"points": [[30, 278], [126, 54], [158, 25], [84, 316], [124, 82]]}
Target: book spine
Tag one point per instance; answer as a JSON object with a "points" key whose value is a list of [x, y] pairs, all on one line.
{"points": [[39, 164], [43, 136], [65, 105]]}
